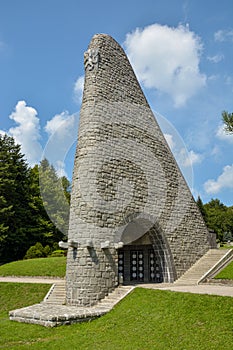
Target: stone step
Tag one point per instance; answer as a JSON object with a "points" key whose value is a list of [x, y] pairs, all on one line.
{"points": [[209, 261], [118, 294], [56, 294], [50, 314]]}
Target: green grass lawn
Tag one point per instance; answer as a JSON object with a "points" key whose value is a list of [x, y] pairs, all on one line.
{"points": [[146, 319], [226, 273], [50, 267]]}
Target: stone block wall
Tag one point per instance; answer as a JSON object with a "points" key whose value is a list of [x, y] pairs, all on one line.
{"points": [[124, 174], [93, 274]]}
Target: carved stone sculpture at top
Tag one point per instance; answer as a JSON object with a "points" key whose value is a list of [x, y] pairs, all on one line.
{"points": [[91, 58], [132, 215]]}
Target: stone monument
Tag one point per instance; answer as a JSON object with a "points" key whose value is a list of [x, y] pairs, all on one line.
{"points": [[132, 218]]}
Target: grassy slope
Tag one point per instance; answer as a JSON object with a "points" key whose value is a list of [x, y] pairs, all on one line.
{"points": [[56, 267], [35, 267], [146, 319], [226, 273]]}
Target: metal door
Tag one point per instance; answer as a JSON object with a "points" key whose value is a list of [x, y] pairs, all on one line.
{"points": [[137, 265], [155, 274]]}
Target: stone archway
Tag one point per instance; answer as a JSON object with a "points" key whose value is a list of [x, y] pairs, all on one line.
{"points": [[163, 253], [147, 259]]}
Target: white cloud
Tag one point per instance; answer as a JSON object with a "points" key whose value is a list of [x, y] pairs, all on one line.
{"points": [[193, 158], [225, 180], [228, 80], [223, 35], [27, 133], [78, 89], [216, 58], [62, 122], [62, 132], [183, 157], [169, 139], [60, 168], [222, 135], [188, 158], [213, 77], [216, 151], [167, 59]]}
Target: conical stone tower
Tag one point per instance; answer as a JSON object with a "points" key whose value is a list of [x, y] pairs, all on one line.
{"points": [[132, 216]]}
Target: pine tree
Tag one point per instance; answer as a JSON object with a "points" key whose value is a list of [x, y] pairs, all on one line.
{"points": [[42, 227], [14, 201], [34, 203], [227, 119], [55, 197], [201, 208]]}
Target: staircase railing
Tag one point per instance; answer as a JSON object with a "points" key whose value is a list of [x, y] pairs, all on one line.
{"points": [[226, 259]]}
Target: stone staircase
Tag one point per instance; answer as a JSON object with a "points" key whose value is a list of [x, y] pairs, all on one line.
{"points": [[56, 294], [117, 295], [208, 265], [51, 312]]}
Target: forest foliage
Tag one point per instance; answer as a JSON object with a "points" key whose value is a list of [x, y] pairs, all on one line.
{"points": [[34, 207], [218, 218], [24, 221]]}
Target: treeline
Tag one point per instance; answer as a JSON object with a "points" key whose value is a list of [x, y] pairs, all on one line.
{"points": [[34, 207], [23, 193], [218, 218]]}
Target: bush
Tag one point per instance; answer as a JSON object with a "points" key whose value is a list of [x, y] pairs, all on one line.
{"points": [[47, 250], [38, 251], [35, 251], [55, 246], [57, 253]]}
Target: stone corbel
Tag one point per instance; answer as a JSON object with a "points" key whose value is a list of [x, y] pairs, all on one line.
{"points": [[73, 244], [63, 245], [105, 245], [119, 245], [89, 244]]}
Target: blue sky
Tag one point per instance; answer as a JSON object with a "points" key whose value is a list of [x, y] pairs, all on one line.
{"points": [[182, 54]]}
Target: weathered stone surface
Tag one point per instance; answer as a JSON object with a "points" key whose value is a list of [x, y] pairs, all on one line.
{"points": [[52, 315], [126, 182]]}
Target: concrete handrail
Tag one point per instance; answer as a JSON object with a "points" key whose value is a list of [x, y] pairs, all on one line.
{"points": [[49, 293], [217, 267]]}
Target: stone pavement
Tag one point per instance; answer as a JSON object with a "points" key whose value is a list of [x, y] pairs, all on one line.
{"points": [[211, 289], [25, 279], [56, 315]]}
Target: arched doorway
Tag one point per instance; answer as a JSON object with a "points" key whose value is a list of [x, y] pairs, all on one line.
{"points": [[148, 259], [139, 264]]}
